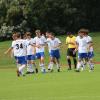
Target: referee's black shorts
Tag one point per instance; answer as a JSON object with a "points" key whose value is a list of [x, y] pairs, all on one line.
{"points": [[70, 52]]}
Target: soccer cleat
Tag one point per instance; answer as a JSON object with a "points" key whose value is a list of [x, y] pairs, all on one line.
{"points": [[18, 73], [23, 75], [27, 72], [51, 70], [30, 72], [48, 69], [69, 69], [91, 70], [36, 70], [77, 70], [58, 70], [44, 71]]}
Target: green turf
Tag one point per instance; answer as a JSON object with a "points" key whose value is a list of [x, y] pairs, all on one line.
{"points": [[51, 86], [66, 85]]}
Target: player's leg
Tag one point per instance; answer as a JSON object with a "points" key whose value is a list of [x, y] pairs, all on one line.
{"points": [[42, 65], [84, 61], [22, 62], [68, 59], [90, 62], [79, 62], [75, 62], [34, 64], [52, 60], [29, 65], [74, 58], [57, 56]]}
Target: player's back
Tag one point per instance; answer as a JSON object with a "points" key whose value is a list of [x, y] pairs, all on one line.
{"points": [[19, 47], [82, 44], [30, 49], [89, 40]]}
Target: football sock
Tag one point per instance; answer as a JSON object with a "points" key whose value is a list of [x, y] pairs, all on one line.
{"points": [[42, 67], [75, 62], [69, 63], [91, 65], [78, 65], [58, 66], [82, 64], [21, 69], [51, 65], [30, 68]]}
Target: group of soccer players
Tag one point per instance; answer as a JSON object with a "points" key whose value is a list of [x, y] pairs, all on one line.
{"points": [[27, 50], [82, 44]]}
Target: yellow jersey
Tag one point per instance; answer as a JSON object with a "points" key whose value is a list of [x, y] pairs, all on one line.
{"points": [[71, 42]]}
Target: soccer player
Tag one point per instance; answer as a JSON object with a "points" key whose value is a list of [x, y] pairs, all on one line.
{"points": [[40, 43], [30, 55], [81, 42], [71, 43], [19, 49], [90, 50], [54, 44]]}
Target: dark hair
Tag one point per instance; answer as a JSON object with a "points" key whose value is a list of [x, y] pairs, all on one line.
{"points": [[69, 33], [37, 31], [53, 34], [83, 30], [28, 34], [18, 34]]}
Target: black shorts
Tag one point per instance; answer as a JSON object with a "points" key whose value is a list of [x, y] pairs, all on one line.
{"points": [[70, 52]]}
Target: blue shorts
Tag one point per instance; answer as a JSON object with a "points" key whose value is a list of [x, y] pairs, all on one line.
{"points": [[39, 55], [31, 57], [90, 54], [55, 54], [21, 60], [82, 55]]}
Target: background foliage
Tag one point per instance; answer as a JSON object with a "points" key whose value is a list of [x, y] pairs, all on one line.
{"points": [[55, 15]]}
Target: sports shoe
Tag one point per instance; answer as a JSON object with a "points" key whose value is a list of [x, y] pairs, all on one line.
{"points": [[58, 70], [69, 69], [36, 70], [18, 73], [77, 70]]}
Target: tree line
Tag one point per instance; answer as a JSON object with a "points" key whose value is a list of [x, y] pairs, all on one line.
{"points": [[58, 16]]}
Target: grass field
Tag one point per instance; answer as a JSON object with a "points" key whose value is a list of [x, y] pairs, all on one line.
{"points": [[66, 85]]}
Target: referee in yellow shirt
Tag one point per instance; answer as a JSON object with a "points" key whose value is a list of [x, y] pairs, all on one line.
{"points": [[71, 44]]}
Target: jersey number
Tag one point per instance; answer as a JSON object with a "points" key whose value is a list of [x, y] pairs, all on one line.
{"points": [[19, 46]]}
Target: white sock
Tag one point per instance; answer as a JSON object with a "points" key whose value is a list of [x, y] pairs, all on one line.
{"points": [[30, 68], [78, 65], [82, 64], [58, 66], [42, 67], [21, 68], [91, 65], [50, 65]]}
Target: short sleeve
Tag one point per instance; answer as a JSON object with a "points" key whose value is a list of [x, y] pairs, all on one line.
{"points": [[44, 39], [76, 39], [13, 44], [58, 41]]}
